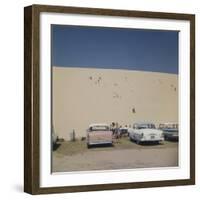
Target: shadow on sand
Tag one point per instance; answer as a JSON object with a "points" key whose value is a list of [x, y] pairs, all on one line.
{"points": [[150, 143], [56, 146], [100, 146]]}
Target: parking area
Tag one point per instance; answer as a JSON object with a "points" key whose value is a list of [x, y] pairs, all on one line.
{"points": [[124, 154]]}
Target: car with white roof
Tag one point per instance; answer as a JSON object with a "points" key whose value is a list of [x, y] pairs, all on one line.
{"points": [[145, 132], [99, 134], [170, 130]]}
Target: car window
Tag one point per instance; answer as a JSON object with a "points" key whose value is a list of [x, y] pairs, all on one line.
{"points": [[142, 127], [134, 126], [171, 126], [161, 126], [145, 126], [99, 128]]}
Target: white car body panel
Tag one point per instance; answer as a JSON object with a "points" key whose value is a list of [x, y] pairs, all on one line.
{"points": [[145, 135]]}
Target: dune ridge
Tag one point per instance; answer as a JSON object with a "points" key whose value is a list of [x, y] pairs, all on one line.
{"points": [[81, 96]]}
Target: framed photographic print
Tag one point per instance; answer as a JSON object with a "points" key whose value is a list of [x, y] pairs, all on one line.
{"points": [[109, 99]]}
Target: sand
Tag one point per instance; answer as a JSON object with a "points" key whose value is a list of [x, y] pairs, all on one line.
{"points": [[84, 96], [106, 160]]}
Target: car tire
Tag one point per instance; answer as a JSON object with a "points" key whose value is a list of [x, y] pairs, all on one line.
{"points": [[137, 142], [88, 146]]}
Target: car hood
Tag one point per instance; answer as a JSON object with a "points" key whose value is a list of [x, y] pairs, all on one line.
{"points": [[150, 131]]}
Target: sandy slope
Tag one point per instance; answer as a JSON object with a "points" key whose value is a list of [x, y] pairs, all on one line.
{"points": [[84, 96]]}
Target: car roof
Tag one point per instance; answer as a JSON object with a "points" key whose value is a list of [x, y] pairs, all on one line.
{"points": [[98, 124], [142, 123], [168, 123]]}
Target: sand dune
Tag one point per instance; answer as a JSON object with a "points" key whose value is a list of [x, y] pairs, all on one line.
{"points": [[84, 96]]}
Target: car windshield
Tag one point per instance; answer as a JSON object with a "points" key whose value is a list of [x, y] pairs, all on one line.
{"points": [[171, 126], [99, 128], [144, 126]]}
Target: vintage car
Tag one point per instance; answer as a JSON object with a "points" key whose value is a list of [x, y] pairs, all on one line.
{"points": [[99, 134], [170, 130], [145, 132], [123, 131]]}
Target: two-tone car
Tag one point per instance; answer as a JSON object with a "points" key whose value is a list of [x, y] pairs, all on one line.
{"points": [[145, 132], [123, 131], [170, 130], [98, 134]]}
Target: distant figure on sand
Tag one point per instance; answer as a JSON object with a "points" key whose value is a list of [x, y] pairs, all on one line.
{"points": [[116, 130], [133, 110]]}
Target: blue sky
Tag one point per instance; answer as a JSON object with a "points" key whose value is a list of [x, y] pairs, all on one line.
{"points": [[115, 48]]}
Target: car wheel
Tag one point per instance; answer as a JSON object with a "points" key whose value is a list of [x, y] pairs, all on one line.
{"points": [[137, 142]]}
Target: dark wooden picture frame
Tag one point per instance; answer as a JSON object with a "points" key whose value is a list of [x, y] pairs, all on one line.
{"points": [[32, 94]]}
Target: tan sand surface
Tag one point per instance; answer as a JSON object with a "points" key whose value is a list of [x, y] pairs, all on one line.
{"points": [[135, 157], [84, 96]]}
